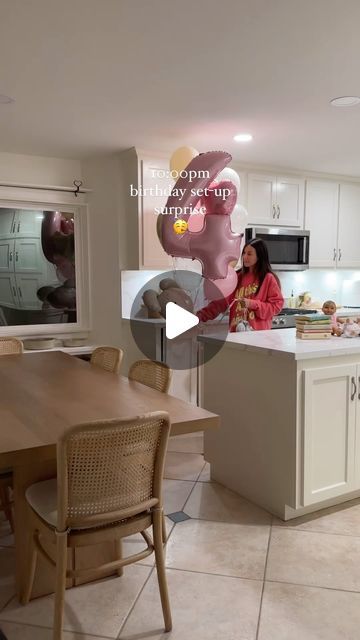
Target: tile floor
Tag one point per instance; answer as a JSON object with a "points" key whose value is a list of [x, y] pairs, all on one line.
{"points": [[234, 573]]}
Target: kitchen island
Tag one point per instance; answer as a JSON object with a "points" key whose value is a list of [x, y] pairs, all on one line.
{"points": [[290, 419]]}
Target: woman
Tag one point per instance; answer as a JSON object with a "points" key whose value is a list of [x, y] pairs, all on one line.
{"points": [[257, 297]]}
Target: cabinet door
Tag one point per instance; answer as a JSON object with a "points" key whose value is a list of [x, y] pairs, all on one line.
{"points": [[261, 199], [152, 255], [349, 226], [328, 432], [28, 223], [290, 202], [8, 291], [26, 287], [6, 222], [28, 255], [321, 214], [7, 256]]}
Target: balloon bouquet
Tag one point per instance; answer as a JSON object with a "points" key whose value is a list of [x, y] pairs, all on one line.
{"points": [[57, 240], [211, 232]]}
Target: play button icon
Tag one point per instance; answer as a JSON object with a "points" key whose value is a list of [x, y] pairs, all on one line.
{"points": [[178, 320]]}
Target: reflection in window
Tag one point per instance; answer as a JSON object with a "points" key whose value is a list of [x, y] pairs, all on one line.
{"points": [[37, 267]]}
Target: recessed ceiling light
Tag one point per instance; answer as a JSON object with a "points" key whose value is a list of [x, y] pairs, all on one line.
{"points": [[6, 99], [345, 101], [243, 137]]}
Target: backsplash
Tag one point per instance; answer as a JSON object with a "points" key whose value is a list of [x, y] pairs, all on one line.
{"points": [[342, 285]]}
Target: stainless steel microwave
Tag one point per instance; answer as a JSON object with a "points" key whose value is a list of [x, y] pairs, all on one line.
{"points": [[288, 248]]}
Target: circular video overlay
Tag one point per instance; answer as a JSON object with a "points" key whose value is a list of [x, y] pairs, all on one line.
{"points": [[164, 323]]}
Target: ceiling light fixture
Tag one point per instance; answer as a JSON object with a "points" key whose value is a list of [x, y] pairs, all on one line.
{"points": [[345, 101], [6, 99], [243, 137]]}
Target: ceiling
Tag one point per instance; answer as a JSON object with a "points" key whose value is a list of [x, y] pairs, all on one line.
{"points": [[93, 76]]}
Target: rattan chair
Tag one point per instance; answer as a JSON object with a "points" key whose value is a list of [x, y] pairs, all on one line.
{"points": [[5, 501], [109, 486], [10, 345], [156, 375], [108, 358]]}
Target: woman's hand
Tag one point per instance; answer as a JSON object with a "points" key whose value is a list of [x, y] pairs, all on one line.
{"points": [[244, 302]]}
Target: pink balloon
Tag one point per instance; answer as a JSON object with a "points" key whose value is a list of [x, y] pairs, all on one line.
{"points": [[196, 222], [222, 287], [215, 246], [221, 199]]}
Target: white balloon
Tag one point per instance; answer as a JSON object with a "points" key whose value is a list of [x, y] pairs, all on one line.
{"points": [[238, 219], [229, 174]]}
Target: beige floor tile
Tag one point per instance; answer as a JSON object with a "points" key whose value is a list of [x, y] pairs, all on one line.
{"points": [[213, 547], [183, 466], [314, 559], [203, 608], [176, 493], [205, 474], [292, 612], [25, 632], [98, 609], [7, 572], [192, 443], [343, 519], [211, 501]]}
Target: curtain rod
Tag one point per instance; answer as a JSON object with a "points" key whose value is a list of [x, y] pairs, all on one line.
{"points": [[75, 189]]}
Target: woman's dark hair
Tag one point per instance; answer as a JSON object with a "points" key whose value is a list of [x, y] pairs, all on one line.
{"points": [[263, 266]]}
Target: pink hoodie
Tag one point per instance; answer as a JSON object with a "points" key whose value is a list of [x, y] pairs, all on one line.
{"points": [[264, 303]]}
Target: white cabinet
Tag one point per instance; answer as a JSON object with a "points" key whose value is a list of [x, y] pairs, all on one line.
{"points": [[332, 215], [330, 432], [8, 291], [7, 226], [275, 200], [321, 219], [349, 226], [26, 287], [152, 255]]}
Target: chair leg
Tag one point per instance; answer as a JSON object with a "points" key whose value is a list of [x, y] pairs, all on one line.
{"points": [[160, 567], [119, 555], [32, 551], [163, 526], [6, 506], [61, 563]]}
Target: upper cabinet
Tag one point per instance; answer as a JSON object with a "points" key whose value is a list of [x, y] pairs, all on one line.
{"points": [[332, 215], [321, 219], [151, 253], [275, 200], [349, 226]]}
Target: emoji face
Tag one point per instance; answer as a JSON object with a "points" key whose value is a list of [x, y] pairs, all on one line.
{"points": [[180, 226]]}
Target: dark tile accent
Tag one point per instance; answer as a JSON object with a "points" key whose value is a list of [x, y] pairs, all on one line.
{"points": [[178, 516]]}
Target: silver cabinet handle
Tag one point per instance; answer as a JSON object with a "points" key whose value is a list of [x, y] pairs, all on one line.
{"points": [[334, 258], [359, 387], [16, 256], [353, 393], [339, 255], [278, 211], [19, 290], [10, 256], [13, 227], [14, 291], [274, 211], [18, 228]]}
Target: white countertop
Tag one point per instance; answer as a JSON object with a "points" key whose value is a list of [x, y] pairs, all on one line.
{"points": [[283, 342]]}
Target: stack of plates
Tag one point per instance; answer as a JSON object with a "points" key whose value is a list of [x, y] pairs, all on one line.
{"points": [[41, 343]]}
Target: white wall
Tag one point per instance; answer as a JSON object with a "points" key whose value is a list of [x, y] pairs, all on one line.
{"points": [[340, 285], [59, 172]]}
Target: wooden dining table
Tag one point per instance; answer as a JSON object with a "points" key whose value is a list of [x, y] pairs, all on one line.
{"points": [[41, 396]]}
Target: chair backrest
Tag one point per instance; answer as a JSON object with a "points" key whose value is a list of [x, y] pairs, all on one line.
{"points": [[10, 345], [108, 358], [156, 375], [111, 470]]}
